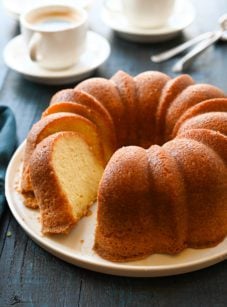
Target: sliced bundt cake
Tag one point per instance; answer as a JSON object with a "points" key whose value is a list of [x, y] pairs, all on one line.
{"points": [[167, 193]]}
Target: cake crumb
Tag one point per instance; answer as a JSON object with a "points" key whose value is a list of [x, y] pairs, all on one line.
{"points": [[17, 189], [81, 241], [89, 213], [29, 200]]}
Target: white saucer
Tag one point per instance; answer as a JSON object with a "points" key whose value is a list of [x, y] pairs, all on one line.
{"points": [[182, 17], [76, 248], [16, 57], [16, 7]]}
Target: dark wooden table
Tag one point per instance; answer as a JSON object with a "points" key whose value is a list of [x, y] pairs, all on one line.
{"points": [[29, 276]]}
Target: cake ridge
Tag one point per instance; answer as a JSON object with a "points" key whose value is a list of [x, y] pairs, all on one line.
{"points": [[149, 86], [207, 106], [171, 91], [169, 177], [106, 91], [212, 121], [127, 90], [214, 139], [204, 210], [192, 95]]}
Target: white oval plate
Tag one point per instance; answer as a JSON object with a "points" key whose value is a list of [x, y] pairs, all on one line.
{"points": [[76, 248], [16, 7], [182, 17], [16, 57]]}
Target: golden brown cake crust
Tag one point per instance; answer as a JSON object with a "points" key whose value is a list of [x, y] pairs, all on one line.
{"points": [[57, 217], [214, 140], [215, 121], [97, 114], [189, 97], [205, 178], [130, 223], [50, 125], [211, 105], [127, 90], [157, 199], [149, 86], [171, 90], [105, 91], [104, 127], [63, 95]]}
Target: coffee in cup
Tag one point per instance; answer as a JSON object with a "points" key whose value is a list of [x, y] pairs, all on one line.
{"points": [[55, 35]]}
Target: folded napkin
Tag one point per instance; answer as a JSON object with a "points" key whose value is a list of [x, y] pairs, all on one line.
{"points": [[8, 142]]}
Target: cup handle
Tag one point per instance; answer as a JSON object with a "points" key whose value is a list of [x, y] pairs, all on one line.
{"points": [[33, 47]]}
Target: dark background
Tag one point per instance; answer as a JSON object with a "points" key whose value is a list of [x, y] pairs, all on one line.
{"points": [[29, 276]]}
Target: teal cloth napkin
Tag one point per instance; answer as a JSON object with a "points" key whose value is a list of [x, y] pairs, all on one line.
{"points": [[8, 141]]}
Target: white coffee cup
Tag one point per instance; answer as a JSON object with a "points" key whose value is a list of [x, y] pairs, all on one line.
{"points": [[144, 13], [55, 35]]}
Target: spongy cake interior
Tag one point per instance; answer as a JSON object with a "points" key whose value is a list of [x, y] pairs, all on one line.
{"points": [[78, 171]]}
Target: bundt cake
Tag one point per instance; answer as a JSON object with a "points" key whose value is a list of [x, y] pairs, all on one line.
{"points": [[163, 191]]}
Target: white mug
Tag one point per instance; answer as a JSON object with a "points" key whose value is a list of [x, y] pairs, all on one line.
{"points": [[144, 13], [55, 35]]}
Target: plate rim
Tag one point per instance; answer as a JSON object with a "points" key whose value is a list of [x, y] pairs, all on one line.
{"points": [[110, 268], [147, 32], [64, 76]]}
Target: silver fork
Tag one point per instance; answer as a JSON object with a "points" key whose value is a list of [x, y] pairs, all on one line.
{"points": [[163, 56], [205, 40], [186, 60]]}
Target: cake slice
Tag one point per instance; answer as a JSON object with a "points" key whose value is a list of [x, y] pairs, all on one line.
{"points": [[106, 134], [52, 124], [96, 112], [65, 175]]}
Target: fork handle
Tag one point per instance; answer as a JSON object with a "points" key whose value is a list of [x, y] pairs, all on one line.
{"points": [[191, 55], [158, 58]]}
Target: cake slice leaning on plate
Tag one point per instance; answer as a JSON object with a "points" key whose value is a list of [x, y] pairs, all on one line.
{"points": [[65, 162]]}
